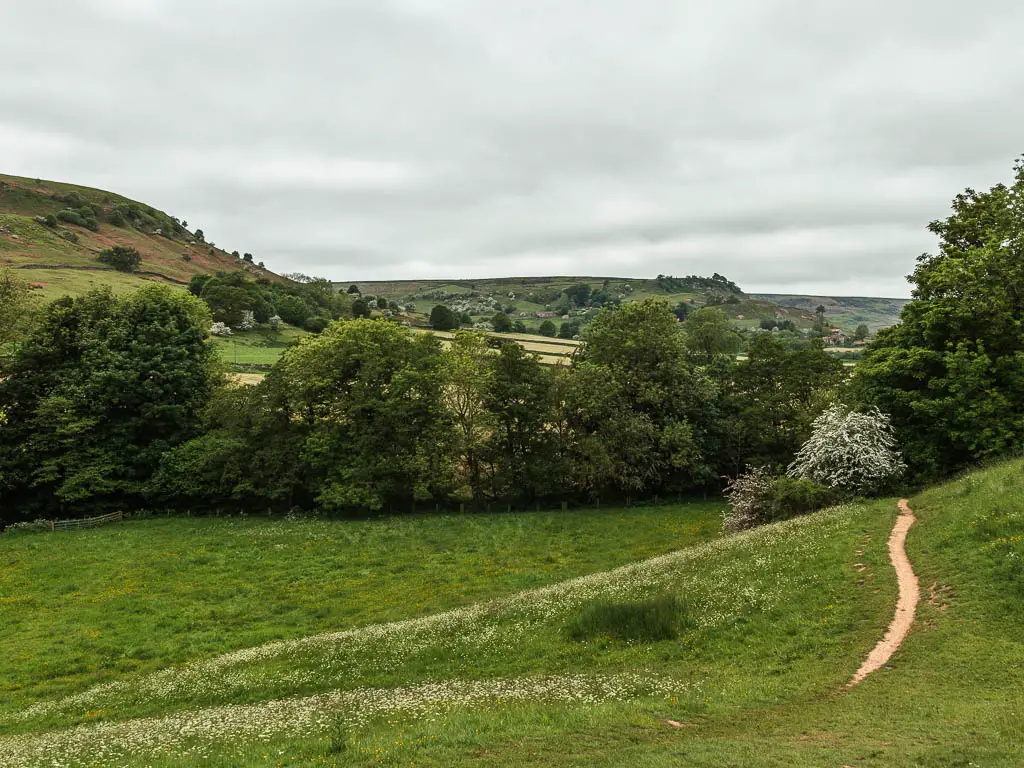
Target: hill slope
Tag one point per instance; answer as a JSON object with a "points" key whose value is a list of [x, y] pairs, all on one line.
{"points": [[524, 297], [845, 311], [772, 624], [61, 257]]}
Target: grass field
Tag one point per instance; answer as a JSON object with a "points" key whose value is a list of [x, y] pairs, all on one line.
{"points": [[261, 346], [471, 670]]}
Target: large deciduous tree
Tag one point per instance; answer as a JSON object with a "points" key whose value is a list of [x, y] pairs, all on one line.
{"points": [[95, 395], [951, 373], [443, 319], [369, 397], [639, 411], [524, 452], [772, 398], [16, 308]]}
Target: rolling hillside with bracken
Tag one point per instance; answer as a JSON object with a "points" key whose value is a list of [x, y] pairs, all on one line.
{"points": [[534, 299], [52, 233]]}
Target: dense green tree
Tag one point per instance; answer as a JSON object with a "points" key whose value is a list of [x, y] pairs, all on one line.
{"points": [[579, 294], [95, 395], [820, 326], [246, 456], [639, 411], [547, 328], [353, 289], [951, 373], [569, 329], [230, 296], [519, 326], [469, 375], [197, 283], [772, 400], [369, 396], [707, 334], [523, 460], [443, 319], [122, 258], [501, 322], [862, 332], [294, 311], [359, 309], [17, 305]]}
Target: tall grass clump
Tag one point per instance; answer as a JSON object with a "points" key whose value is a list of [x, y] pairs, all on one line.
{"points": [[641, 621]]}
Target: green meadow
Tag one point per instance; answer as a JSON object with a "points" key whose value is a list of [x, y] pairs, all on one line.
{"points": [[456, 639]]}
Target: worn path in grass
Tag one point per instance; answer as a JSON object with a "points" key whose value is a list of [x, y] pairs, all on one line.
{"points": [[906, 605]]}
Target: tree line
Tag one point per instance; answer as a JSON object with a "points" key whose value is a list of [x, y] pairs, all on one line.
{"points": [[111, 402]]}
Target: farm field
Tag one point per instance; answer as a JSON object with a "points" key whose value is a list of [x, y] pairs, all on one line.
{"points": [[549, 351], [771, 624], [261, 346]]}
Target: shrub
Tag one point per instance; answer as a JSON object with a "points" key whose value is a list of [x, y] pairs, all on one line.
{"points": [[220, 329], [116, 218], [852, 451], [443, 319], [642, 621], [28, 526], [316, 323], [121, 257], [759, 497], [70, 236], [82, 217]]}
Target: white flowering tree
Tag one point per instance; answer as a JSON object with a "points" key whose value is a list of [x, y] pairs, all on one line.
{"points": [[747, 495], [248, 321], [849, 450], [220, 329]]}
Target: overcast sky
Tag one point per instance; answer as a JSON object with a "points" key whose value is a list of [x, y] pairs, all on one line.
{"points": [[794, 146]]}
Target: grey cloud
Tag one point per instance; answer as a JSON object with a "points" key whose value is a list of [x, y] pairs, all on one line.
{"points": [[790, 145]]}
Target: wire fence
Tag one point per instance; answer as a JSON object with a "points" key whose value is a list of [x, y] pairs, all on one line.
{"points": [[88, 522]]}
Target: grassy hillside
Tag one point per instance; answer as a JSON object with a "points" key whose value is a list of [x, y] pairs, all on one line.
{"points": [[769, 626], [61, 259], [526, 296], [846, 311]]}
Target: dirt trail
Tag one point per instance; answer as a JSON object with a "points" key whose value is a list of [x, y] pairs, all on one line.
{"points": [[906, 605]]}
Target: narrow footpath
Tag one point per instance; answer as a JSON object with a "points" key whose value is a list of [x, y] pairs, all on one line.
{"points": [[906, 605]]}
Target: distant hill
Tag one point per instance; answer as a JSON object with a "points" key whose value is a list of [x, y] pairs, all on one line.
{"points": [[528, 296], [52, 233], [844, 311]]}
